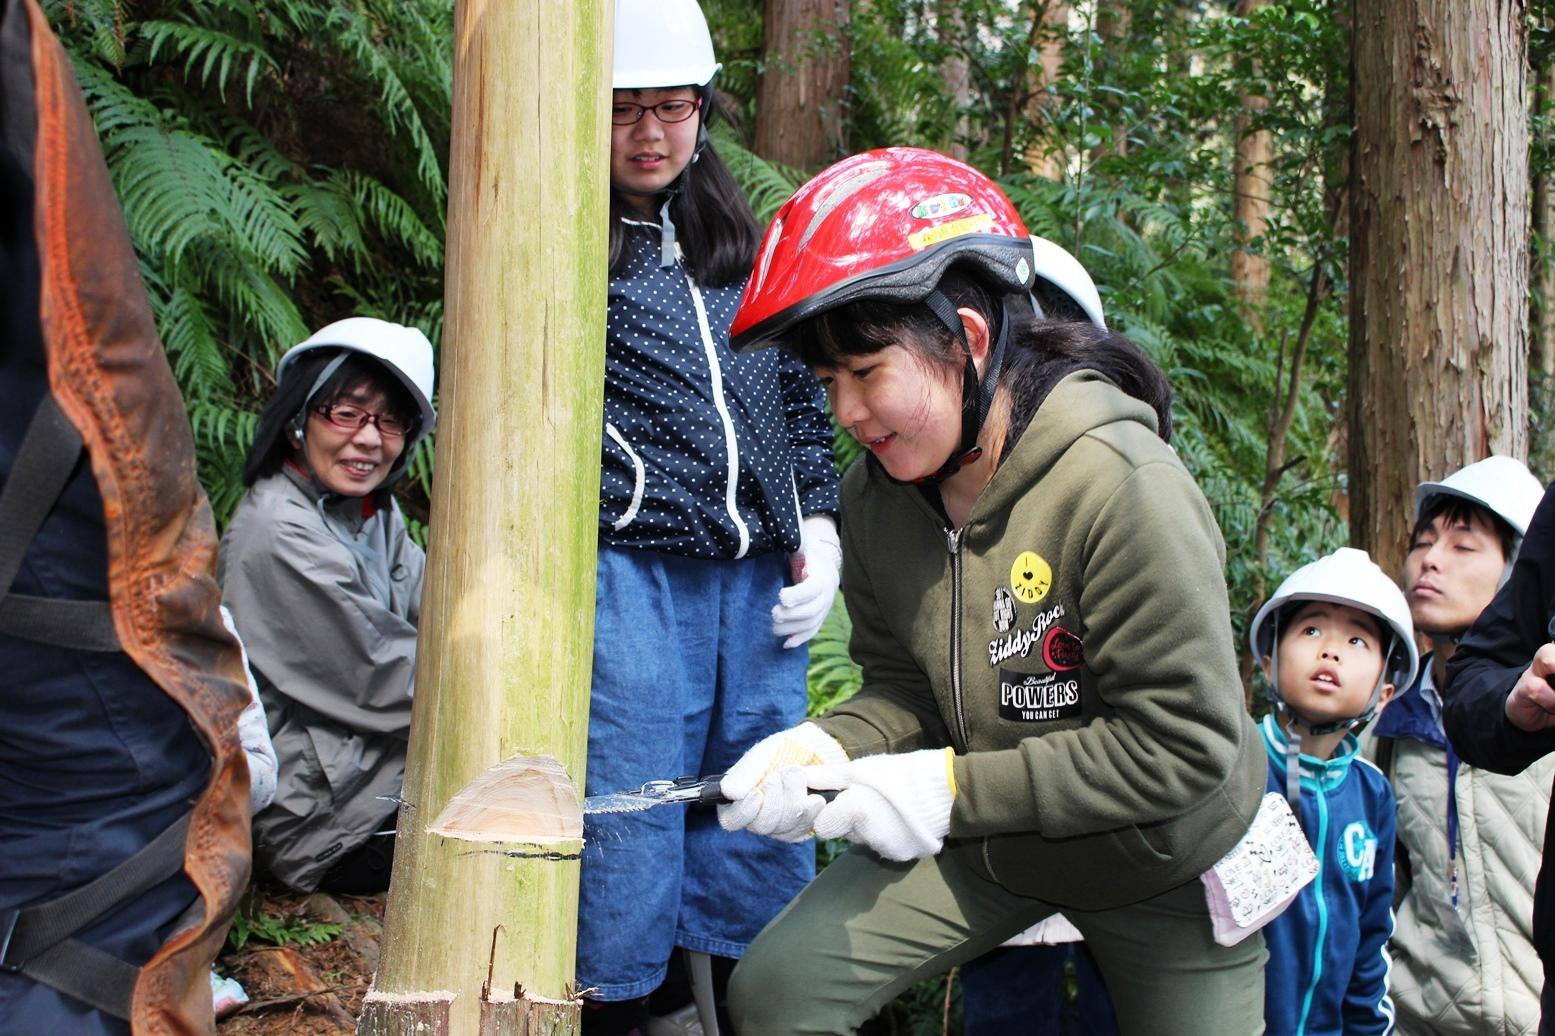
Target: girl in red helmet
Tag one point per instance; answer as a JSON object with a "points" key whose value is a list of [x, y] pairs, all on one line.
{"points": [[1051, 716], [717, 477]]}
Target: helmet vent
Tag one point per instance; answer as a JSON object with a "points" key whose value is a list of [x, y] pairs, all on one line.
{"points": [[774, 235], [841, 191]]}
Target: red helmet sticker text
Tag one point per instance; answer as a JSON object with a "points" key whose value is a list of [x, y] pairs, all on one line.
{"points": [[940, 205]]}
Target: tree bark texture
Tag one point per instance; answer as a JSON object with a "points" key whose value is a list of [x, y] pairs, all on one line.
{"points": [[1541, 348], [508, 606], [1114, 22], [1439, 252], [1250, 198], [801, 94], [1049, 35], [950, 27]]}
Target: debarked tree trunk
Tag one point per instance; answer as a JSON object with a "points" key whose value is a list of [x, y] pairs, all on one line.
{"points": [[480, 932]]}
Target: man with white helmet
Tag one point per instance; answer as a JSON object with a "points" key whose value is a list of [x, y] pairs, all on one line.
{"points": [[1336, 642], [1468, 838]]}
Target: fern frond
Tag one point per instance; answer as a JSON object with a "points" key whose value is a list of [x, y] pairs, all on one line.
{"points": [[212, 49], [394, 217]]}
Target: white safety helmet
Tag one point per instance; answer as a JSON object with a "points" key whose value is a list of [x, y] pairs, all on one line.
{"points": [[405, 351], [1501, 485], [1063, 271], [1347, 576], [662, 43]]}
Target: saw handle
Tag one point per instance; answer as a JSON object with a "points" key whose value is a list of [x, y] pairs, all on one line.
{"points": [[712, 791]]}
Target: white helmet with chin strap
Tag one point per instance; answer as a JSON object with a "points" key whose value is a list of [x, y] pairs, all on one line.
{"points": [[404, 352], [1501, 485], [1348, 577], [660, 44]]}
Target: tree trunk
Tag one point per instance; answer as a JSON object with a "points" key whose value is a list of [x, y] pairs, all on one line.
{"points": [[950, 28], [1250, 198], [1541, 348], [1049, 33], [1114, 19], [801, 115], [480, 936], [1439, 252]]}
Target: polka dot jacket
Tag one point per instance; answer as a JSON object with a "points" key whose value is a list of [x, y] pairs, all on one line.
{"points": [[706, 453]]}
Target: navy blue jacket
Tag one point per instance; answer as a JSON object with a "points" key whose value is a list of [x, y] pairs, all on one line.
{"points": [[1328, 953], [1483, 671], [706, 453]]}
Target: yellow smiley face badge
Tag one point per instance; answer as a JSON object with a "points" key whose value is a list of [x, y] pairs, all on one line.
{"points": [[1030, 577]]}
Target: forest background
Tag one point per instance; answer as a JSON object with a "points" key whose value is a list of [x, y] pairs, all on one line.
{"points": [[284, 163]]}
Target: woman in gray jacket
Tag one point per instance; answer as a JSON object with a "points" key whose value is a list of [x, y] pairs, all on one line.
{"points": [[324, 583]]}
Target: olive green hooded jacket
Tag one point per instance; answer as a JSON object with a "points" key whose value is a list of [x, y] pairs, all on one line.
{"points": [[1072, 642]]}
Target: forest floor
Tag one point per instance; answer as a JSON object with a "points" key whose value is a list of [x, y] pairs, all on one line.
{"points": [[313, 982], [306, 963]]}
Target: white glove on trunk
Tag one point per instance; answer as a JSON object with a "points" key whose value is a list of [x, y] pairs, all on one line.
{"points": [[897, 805], [766, 788], [802, 608]]}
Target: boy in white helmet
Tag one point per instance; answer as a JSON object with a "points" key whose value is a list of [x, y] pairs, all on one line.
{"points": [[1468, 839], [1336, 641]]}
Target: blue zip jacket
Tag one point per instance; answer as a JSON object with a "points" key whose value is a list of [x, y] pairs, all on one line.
{"points": [[706, 453], [1328, 954]]}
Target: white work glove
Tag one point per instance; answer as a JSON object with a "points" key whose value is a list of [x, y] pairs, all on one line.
{"points": [[897, 805], [766, 788], [817, 570]]}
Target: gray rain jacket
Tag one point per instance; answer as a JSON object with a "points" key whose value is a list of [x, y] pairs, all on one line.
{"points": [[326, 592]]}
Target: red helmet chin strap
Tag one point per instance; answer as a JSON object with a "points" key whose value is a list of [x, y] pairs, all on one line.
{"points": [[976, 393]]}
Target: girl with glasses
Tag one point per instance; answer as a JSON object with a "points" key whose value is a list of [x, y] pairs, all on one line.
{"points": [[324, 584], [718, 553]]}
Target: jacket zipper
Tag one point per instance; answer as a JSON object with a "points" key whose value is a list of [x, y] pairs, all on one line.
{"points": [[953, 537]]}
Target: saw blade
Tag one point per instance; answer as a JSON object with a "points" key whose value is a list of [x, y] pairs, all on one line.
{"points": [[655, 793]]}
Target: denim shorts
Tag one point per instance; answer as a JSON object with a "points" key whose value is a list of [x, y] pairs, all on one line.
{"points": [[687, 676]]}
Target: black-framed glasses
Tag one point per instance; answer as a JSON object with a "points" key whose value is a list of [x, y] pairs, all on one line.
{"points": [[350, 418], [679, 109]]}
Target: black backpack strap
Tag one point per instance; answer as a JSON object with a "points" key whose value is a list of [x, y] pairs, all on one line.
{"points": [[44, 463], [37, 941]]}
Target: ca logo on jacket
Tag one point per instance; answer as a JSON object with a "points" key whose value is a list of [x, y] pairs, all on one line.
{"points": [[1359, 851]]}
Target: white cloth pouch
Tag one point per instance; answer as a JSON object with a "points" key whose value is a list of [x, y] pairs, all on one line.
{"points": [[1254, 882]]}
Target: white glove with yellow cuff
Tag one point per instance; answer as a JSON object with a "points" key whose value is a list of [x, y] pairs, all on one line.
{"points": [[897, 805], [767, 789]]}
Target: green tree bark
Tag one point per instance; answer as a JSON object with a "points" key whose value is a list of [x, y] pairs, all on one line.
{"points": [[480, 936]]}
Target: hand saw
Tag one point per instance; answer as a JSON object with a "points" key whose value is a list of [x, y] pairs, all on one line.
{"points": [[683, 790]]}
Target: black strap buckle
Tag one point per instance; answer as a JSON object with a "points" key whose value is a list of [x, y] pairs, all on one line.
{"points": [[8, 920]]}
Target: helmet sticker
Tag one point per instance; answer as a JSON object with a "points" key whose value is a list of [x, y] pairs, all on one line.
{"points": [[941, 205], [976, 224], [1030, 577], [1003, 610], [1023, 270]]}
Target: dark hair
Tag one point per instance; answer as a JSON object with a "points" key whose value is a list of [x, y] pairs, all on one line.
{"points": [[1454, 509], [714, 224], [272, 439], [1041, 350]]}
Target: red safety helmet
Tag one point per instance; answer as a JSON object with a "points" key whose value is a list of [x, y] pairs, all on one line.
{"points": [[883, 224]]}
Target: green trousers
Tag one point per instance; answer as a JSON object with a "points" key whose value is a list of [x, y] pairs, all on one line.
{"points": [[866, 929]]}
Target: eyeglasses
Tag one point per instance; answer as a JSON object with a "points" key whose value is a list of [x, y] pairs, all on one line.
{"points": [[350, 418], [625, 113]]}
